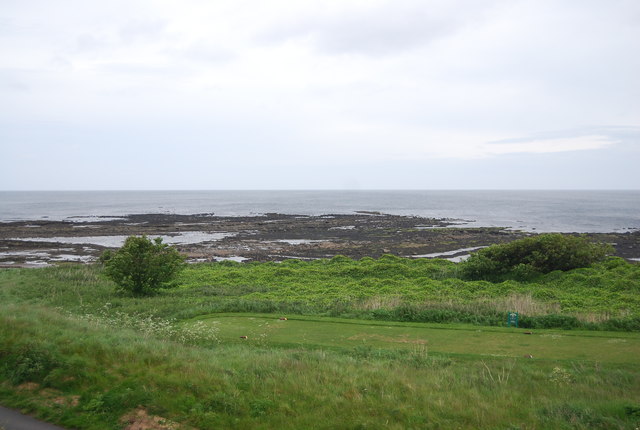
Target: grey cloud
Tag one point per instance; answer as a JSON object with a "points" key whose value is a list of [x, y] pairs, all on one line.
{"points": [[206, 53], [621, 139], [16, 86], [9, 81], [626, 134], [467, 72], [5, 25], [133, 31], [89, 43], [61, 63], [129, 33], [386, 29], [576, 51], [370, 35], [173, 70]]}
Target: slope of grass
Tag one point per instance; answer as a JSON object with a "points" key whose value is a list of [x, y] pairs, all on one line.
{"points": [[340, 285], [84, 375], [391, 288], [74, 352], [612, 286]]}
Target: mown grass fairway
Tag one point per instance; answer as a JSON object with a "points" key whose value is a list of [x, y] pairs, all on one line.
{"points": [[310, 332]]}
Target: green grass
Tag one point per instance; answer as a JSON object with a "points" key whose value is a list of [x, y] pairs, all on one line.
{"points": [[322, 382], [607, 289], [603, 347], [75, 353], [390, 288]]}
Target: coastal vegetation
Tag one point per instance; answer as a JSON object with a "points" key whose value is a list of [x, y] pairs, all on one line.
{"points": [[532, 256], [142, 266], [604, 295], [334, 343]]}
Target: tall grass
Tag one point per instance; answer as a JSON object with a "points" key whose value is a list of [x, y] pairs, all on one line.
{"points": [[111, 371], [604, 296], [76, 353], [607, 288]]}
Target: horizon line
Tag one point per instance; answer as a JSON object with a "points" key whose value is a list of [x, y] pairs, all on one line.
{"points": [[314, 189]]}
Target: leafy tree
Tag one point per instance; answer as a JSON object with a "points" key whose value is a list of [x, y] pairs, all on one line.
{"points": [[142, 265], [529, 257]]}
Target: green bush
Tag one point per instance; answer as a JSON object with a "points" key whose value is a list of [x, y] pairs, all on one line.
{"points": [[418, 313], [528, 258], [142, 265], [105, 256], [26, 362], [566, 322]]}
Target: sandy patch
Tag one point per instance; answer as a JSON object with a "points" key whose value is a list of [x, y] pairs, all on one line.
{"points": [[140, 419], [28, 386]]}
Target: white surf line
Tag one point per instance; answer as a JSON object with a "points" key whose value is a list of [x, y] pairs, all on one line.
{"points": [[447, 253]]}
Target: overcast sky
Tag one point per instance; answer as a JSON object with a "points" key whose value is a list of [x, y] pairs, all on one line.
{"points": [[344, 94]]}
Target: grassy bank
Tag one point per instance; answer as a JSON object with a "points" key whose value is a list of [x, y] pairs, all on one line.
{"points": [[609, 289], [74, 352], [605, 296], [84, 374]]}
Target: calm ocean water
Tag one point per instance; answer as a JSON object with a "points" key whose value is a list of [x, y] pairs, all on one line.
{"points": [[543, 211]]}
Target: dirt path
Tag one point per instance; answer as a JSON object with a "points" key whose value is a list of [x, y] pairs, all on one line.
{"points": [[11, 419]]}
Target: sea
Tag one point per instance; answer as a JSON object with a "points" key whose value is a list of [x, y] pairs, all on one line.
{"points": [[535, 211]]}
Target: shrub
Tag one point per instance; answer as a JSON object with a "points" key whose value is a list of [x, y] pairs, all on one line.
{"points": [[105, 256], [26, 362], [142, 265], [527, 258], [566, 322]]}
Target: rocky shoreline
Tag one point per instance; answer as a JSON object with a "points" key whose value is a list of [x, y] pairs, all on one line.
{"points": [[269, 237]]}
